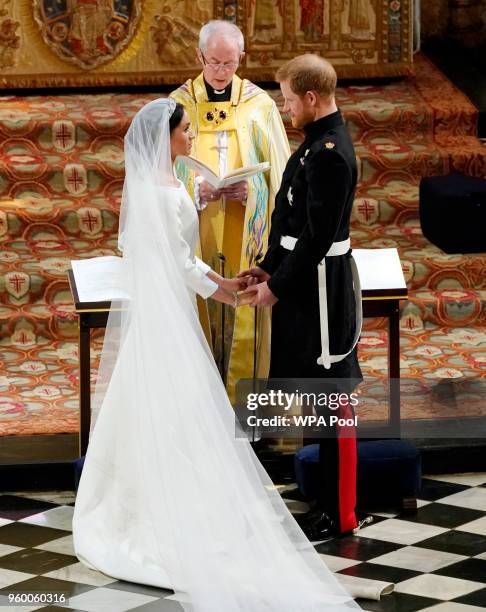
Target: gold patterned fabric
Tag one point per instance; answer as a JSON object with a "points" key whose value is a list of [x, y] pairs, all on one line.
{"points": [[99, 42]]}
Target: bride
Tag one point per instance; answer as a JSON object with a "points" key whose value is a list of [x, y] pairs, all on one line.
{"points": [[172, 494]]}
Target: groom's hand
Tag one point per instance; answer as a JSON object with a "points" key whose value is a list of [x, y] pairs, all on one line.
{"points": [[262, 296], [253, 276]]}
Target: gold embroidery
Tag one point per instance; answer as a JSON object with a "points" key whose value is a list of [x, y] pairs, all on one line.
{"points": [[215, 116]]}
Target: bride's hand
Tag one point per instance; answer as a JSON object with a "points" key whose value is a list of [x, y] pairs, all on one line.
{"points": [[233, 284]]}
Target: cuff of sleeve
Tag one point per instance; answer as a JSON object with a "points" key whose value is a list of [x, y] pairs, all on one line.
{"points": [[275, 287], [207, 288], [202, 265], [197, 200], [267, 263], [265, 266]]}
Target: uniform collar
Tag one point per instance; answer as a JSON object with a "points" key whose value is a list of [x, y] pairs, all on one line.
{"points": [[322, 125]]}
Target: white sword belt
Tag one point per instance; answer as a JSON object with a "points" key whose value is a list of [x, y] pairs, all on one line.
{"points": [[337, 248]]}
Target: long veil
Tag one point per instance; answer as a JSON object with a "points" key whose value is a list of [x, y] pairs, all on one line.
{"points": [[169, 496]]}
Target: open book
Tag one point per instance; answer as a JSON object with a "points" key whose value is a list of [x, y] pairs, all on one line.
{"points": [[99, 279], [379, 269], [240, 174]]}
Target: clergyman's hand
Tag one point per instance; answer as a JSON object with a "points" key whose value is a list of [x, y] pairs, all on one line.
{"points": [[262, 296], [236, 191], [207, 193], [253, 276]]}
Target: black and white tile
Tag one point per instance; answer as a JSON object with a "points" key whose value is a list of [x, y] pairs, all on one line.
{"points": [[436, 558]]}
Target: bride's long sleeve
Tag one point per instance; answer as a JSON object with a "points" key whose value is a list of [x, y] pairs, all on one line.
{"points": [[194, 270]]}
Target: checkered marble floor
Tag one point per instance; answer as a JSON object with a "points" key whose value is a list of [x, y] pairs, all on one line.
{"points": [[436, 558]]}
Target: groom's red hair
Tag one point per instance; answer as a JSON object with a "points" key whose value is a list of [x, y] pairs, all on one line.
{"points": [[309, 72]]}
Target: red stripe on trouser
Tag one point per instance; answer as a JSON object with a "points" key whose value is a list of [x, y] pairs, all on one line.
{"points": [[348, 463]]}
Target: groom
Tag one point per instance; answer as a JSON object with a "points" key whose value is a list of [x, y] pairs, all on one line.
{"points": [[311, 222]]}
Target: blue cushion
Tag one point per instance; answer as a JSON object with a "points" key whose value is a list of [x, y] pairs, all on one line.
{"points": [[78, 468], [388, 471]]}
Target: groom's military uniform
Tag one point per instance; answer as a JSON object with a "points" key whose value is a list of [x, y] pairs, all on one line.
{"points": [[311, 222]]}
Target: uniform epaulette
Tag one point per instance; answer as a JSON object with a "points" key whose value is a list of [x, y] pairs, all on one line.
{"points": [[326, 143]]}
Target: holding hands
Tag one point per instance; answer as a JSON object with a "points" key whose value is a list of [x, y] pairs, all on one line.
{"points": [[230, 290], [248, 288], [236, 286], [233, 285], [253, 276], [257, 289]]}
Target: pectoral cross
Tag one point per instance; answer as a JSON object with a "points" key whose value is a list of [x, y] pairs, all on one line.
{"points": [[222, 148]]}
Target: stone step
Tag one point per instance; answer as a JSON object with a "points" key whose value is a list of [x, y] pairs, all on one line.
{"points": [[94, 218], [69, 124], [433, 269], [85, 218], [424, 265], [444, 307], [33, 273], [430, 351], [25, 171], [52, 315], [39, 380], [33, 269], [392, 202], [386, 157], [412, 108]]}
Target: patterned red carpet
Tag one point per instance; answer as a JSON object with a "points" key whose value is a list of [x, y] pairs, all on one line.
{"points": [[61, 173]]}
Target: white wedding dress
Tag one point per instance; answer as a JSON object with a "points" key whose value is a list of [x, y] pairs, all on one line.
{"points": [[170, 496]]}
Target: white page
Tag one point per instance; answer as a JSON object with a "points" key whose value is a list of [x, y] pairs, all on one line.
{"points": [[202, 169], [379, 269], [99, 279], [240, 174]]}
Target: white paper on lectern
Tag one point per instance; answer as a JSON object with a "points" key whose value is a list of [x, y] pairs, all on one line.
{"points": [[379, 269], [99, 279]]}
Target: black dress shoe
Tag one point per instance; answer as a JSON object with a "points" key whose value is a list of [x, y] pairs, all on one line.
{"points": [[308, 517], [321, 527]]}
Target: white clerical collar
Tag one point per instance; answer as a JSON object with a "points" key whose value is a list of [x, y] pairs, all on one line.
{"points": [[224, 93]]}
